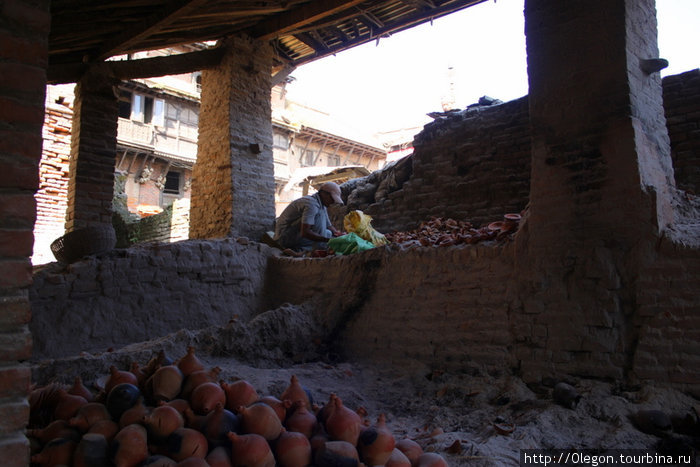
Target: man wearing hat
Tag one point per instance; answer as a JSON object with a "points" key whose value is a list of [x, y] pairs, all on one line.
{"points": [[304, 223]]}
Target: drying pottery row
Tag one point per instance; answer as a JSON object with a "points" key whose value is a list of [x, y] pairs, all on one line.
{"points": [[439, 231], [178, 414]]}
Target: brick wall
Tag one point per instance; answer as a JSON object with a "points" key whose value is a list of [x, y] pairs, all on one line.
{"points": [[24, 28], [682, 104], [171, 225]]}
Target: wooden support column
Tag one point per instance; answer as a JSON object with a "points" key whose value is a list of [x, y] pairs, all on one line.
{"points": [[93, 151], [233, 180]]}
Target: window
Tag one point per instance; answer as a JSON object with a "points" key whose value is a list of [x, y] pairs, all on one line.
{"points": [[306, 158], [147, 109], [333, 160], [172, 182], [280, 140], [125, 104]]}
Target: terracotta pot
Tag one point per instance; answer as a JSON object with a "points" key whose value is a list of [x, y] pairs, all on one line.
{"points": [[186, 442], [205, 397], [79, 389], [218, 457], [217, 424], [159, 460], [280, 407], [179, 404], [251, 450], [410, 449], [301, 420], [130, 446], [342, 423], [92, 451], [295, 391], [194, 421], [55, 429], [117, 376], [56, 452], [196, 378], [140, 375], [162, 422], [134, 414], [106, 428], [89, 414], [239, 393], [376, 443], [334, 453], [158, 361], [190, 363], [68, 405], [121, 398], [260, 419], [42, 404], [293, 449], [193, 462], [397, 459], [166, 383]]}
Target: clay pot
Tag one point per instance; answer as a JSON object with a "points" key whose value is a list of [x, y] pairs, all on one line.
{"points": [[121, 398], [260, 419], [431, 459], [106, 428], [280, 407], [140, 375], [205, 397], [376, 443], [162, 422], [186, 442], [79, 389], [196, 378], [130, 446], [68, 405], [251, 450], [397, 459], [166, 382], [301, 420], [194, 421], [218, 457], [88, 415], [56, 452], [179, 404], [55, 429], [293, 449], [217, 424], [134, 414], [239, 393], [159, 360], [410, 449], [342, 423], [42, 404], [190, 363], [92, 451], [334, 453], [159, 460], [193, 462], [117, 377], [295, 391]]}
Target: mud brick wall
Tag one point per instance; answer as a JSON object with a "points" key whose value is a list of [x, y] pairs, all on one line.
{"points": [[140, 293], [682, 105], [52, 196], [24, 29], [473, 166], [171, 225]]}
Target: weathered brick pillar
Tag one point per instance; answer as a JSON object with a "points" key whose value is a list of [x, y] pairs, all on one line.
{"points": [[24, 29], [601, 177], [93, 149], [233, 179]]}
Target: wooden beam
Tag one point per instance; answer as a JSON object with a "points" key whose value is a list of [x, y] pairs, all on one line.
{"points": [[148, 27], [287, 22], [141, 68], [282, 74]]}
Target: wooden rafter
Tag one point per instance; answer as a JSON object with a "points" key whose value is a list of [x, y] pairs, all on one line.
{"points": [[170, 13], [288, 22]]}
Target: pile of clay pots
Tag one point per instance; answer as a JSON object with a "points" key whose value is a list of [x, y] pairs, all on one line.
{"points": [[440, 231], [179, 414]]}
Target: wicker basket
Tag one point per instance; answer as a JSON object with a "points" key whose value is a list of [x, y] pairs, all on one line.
{"points": [[83, 242]]}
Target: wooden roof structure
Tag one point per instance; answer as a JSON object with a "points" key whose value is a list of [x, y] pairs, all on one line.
{"points": [[88, 32]]}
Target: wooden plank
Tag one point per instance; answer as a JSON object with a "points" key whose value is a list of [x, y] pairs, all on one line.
{"points": [[141, 68], [167, 15], [287, 22]]}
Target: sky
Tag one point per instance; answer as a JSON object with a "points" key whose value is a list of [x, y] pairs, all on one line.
{"points": [[392, 84]]}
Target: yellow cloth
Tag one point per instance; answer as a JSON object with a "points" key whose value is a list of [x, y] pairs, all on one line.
{"points": [[360, 223]]}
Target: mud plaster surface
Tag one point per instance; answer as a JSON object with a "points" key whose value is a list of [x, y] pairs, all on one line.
{"points": [[436, 409]]}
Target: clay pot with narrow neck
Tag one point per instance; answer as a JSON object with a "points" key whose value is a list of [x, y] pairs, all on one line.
{"points": [[58, 451], [376, 443], [79, 389], [106, 428], [217, 424], [134, 414], [130, 446], [92, 451], [190, 363], [280, 407], [55, 429], [162, 422], [89, 414], [301, 420], [68, 405], [342, 423], [239, 393], [205, 397], [251, 450], [219, 457], [431, 459], [186, 442], [196, 378], [410, 449], [260, 419], [397, 459], [293, 449], [166, 383], [117, 376], [295, 391], [334, 453]]}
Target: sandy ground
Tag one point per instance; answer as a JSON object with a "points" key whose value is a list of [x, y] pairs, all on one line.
{"points": [[475, 420]]}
